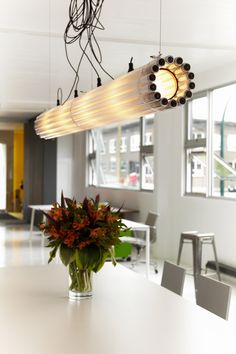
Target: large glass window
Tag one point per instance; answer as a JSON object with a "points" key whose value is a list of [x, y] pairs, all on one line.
{"points": [[121, 156], [211, 143]]}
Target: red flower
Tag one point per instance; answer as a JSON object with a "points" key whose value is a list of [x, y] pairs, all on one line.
{"points": [[70, 238]]}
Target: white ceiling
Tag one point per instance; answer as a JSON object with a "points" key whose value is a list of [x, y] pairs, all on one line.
{"points": [[33, 63]]}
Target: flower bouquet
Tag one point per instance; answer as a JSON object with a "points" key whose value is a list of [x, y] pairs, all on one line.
{"points": [[84, 234]]}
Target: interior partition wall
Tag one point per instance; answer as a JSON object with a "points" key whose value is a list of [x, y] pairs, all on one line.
{"points": [[6, 138], [39, 170]]}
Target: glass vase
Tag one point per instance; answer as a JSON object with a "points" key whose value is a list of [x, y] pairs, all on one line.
{"points": [[80, 282]]}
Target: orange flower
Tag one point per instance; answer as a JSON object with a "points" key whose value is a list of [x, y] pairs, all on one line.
{"points": [[54, 232], [83, 244], [79, 225], [70, 238], [111, 218], [96, 233]]}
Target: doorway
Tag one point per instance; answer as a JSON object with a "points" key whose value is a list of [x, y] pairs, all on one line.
{"points": [[3, 176], [12, 169]]}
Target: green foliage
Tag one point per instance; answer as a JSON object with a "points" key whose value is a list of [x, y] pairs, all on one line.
{"points": [[67, 254]]}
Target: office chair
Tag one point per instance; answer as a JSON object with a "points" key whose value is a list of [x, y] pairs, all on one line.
{"points": [[139, 242], [173, 277], [213, 296]]}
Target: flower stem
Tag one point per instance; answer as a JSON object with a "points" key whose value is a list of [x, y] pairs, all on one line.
{"points": [[80, 279]]}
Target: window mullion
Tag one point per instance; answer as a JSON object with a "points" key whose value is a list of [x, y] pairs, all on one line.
{"points": [[141, 153], [209, 152]]}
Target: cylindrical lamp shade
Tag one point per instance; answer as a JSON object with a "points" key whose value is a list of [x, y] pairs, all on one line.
{"points": [[161, 84]]}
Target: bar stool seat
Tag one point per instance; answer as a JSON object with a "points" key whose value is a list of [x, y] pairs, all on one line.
{"points": [[198, 239]]}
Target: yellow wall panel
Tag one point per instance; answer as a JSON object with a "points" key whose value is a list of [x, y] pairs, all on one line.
{"points": [[18, 166]]}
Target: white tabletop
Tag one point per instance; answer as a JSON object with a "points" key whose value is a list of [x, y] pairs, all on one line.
{"points": [[135, 225], [127, 315], [41, 207]]}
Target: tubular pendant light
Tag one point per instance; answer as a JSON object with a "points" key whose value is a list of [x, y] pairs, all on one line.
{"points": [[161, 84]]}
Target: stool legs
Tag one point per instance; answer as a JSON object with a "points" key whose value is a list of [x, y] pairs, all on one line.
{"points": [[197, 260], [216, 260], [196, 249], [197, 241], [180, 250]]}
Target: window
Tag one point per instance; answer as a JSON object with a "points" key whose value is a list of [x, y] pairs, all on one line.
{"points": [[128, 163], [211, 143], [148, 138], [216, 141], [112, 146], [147, 152], [135, 142], [231, 142], [196, 171], [123, 145]]}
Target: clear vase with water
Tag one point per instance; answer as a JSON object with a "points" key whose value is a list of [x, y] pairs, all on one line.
{"points": [[80, 282]]}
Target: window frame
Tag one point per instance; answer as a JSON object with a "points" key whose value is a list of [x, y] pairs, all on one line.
{"points": [[188, 143], [194, 143], [144, 150]]}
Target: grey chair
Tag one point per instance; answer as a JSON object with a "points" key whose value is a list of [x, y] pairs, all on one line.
{"points": [[139, 242], [213, 296], [173, 277]]}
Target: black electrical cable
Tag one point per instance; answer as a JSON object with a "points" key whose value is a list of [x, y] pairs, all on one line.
{"points": [[84, 20], [59, 96], [131, 65]]}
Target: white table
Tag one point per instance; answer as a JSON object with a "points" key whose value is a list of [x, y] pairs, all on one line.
{"points": [[138, 226], [45, 207], [127, 314]]}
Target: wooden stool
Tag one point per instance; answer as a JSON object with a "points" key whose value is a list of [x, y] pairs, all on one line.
{"points": [[197, 240]]}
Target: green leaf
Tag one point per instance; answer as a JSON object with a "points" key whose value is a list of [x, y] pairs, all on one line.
{"points": [[96, 202], [112, 254], [62, 200], [52, 254], [77, 259], [85, 204], [103, 256], [70, 203], [49, 217], [126, 232], [67, 254], [89, 257]]}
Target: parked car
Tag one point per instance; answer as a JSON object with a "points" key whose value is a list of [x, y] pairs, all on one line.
{"points": [[231, 188]]}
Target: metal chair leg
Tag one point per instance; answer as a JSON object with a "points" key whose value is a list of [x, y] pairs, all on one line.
{"points": [[216, 260], [196, 262]]}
